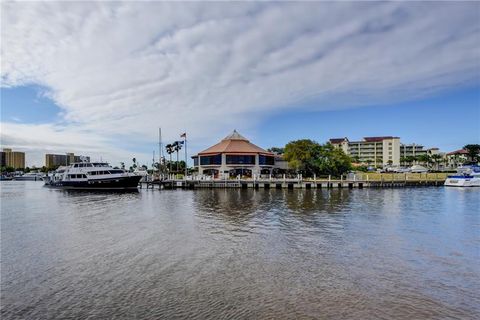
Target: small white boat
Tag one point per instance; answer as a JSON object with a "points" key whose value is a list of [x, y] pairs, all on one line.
{"points": [[418, 169], [30, 176], [467, 176]]}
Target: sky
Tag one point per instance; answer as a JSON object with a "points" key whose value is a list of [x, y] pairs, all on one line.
{"points": [[100, 78]]}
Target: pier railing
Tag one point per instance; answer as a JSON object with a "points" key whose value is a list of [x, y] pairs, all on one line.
{"points": [[346, 181]]}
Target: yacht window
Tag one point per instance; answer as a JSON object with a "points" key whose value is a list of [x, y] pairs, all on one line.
{"points": [[75, 165]]}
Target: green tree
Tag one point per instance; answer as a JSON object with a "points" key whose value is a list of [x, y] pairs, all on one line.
{"points": [[424, 159], [8, 169], [473, 152], [276, 150], [300, 155], [309, 157], [331, 160], [436, 159], [410, 160]]}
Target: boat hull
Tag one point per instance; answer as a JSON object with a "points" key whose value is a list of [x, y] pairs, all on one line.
{"points": [[23, 178], [118, 183], [462, 182]]}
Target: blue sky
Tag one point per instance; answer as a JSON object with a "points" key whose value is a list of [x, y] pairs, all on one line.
{"points": [[100, 78]]}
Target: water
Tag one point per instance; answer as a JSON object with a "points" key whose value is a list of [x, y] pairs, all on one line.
{"points": [[243, 254]]}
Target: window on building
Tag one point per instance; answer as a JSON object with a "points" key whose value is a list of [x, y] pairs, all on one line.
{"points": [[195, 161], [211, 160], [240, 159], [266, 160]]}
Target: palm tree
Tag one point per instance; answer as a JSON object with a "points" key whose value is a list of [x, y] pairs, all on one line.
{"points": [[177, 147], [425, 159], [170, 149], [436, 158], [410, 159]]}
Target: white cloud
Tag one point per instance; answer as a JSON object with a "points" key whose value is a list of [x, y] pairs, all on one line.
{"points": [[121, 70]]}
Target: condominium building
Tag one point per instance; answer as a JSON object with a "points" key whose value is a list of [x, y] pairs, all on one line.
{"points": [[381, 151], [14, 159], [376, 151], [54, 160], [412, 150]]}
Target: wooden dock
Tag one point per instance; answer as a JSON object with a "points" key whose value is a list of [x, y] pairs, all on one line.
{"points": [[290, 184]]}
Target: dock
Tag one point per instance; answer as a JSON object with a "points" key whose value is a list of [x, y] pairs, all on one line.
{"points": [[395, 182]]}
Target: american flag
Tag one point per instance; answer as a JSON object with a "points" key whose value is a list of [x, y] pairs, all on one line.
{"points": [[183, 135]]}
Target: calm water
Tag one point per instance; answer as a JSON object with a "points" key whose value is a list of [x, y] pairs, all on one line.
{"points": [[358, 254]]}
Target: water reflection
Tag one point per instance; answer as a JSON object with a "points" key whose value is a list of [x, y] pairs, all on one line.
{"points": [[360, 254]]}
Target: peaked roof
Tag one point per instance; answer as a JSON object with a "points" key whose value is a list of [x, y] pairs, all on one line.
{"points": [[235, 136], [235, 143]]}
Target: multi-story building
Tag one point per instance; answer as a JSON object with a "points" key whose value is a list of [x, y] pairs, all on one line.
{"points": [[14, 159], [54, 160], [456, 158], [412, 150], [376, 151]]}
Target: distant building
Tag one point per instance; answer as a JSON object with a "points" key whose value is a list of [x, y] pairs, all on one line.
{"points": [[232, 156], [14, 159], [376, 151], [456, 158], [411, 150], [381, 151], [54, 160]]}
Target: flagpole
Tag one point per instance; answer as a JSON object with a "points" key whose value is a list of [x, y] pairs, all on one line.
{"points": [[186, 171], [160, 171]]}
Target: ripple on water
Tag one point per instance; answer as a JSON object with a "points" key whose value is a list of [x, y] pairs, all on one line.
{"points": [[358, 254]]}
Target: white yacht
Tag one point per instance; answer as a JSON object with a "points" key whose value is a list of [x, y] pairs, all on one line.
{"points": [[467, 176], [91, 176]]}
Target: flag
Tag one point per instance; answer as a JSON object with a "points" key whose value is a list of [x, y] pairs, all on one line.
{"points": [[183, 135]]}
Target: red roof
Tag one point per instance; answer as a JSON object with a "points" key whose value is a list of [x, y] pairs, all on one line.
{"points": [[337, 140], [460, 151], [235, 143], [377, 139]]}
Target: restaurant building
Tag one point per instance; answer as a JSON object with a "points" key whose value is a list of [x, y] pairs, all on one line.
{"points": [[234, 156]]}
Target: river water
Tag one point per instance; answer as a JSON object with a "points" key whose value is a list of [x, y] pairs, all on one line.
{"points": [[406, 253]]}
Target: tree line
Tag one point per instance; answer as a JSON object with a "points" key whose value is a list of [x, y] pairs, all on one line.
{"points": [[309, 158]]}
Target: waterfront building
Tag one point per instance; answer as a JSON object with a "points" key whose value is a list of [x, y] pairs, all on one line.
{"points": [[456, 158], [14, 159], [381, 151], [54, 160], [233, 156], [376, 151], [412, 150]]}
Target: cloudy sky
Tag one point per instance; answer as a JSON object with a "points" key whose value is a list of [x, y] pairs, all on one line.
{"points": [[100, 78]]}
